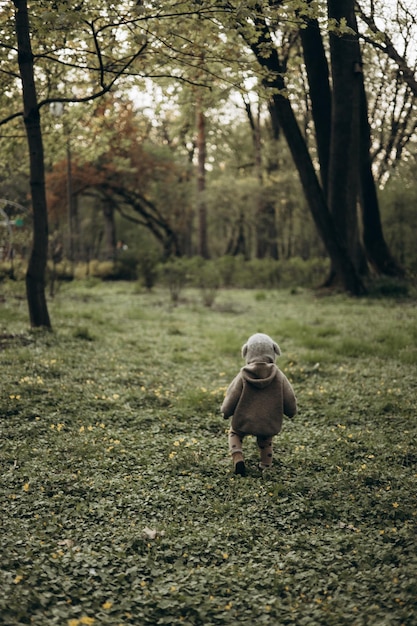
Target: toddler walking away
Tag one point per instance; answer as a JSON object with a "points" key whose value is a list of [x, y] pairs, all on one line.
{"points": [[256, 400]]}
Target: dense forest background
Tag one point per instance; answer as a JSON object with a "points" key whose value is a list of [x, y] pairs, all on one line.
{"points": [[257, 130]]}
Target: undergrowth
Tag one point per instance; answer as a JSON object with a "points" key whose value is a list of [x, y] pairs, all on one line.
{"points": [[118, 498]]}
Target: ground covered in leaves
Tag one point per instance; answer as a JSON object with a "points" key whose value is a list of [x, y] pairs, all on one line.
{"points": [[119, 504]]}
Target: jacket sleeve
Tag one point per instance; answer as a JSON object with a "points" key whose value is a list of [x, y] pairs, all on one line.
{"points": [[290, 402], [231, 399]]}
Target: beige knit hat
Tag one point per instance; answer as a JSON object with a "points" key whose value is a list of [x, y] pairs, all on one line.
{"points": [[260, 348]]}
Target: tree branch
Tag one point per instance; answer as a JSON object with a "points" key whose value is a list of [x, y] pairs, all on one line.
{"points": [[388, 48]]}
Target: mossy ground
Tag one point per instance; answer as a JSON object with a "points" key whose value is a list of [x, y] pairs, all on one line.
{"points": [[119, 503]]}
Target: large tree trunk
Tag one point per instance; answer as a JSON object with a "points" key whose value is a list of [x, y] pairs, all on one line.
{"points": [[343, 180], [281, 106], [377, 251], [320, 93], [35, 275]]}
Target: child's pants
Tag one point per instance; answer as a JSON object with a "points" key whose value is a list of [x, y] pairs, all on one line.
{"points": [[264, 445]]}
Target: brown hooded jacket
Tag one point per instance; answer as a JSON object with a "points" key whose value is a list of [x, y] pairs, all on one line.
{"points": [[258, 398]]}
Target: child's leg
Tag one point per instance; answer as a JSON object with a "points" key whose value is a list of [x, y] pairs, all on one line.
{"points": [[266, 451], [235, 447]]}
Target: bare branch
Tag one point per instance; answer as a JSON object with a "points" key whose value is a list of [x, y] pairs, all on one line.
{"points": [[388, 47]]}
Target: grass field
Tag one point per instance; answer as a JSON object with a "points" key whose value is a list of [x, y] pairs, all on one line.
{"points": [[119, 504]]}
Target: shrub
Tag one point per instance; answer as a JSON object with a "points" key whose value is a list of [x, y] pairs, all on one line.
{"points": [[227, 267], [125, 267], [148, 268], [386, 287], [174, 274], [14, 271], [63, 271], [209, 281], [101, 269]]}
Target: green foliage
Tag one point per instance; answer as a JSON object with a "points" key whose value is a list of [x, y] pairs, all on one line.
{"points": [[119, 498], [270, 274], [126, 266], [207, 278], [63, 271], [175, 276], [7, 270], [227, 267], [148, 268], [398, 213]]}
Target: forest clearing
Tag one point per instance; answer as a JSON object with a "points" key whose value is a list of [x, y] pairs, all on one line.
{"points": [[119, 502], [279, 131]]}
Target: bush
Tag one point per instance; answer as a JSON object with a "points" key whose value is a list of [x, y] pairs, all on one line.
{"points": [[101, 269], [6, 271], [13, 271], [208, 281], [174, 274], [125, 267], [206, 275], [63, 271], [227, 266], [148, 268], [122, 269], [386, 287]]}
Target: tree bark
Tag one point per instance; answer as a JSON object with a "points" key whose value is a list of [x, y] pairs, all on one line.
{"points": [[343, 178], [35, 275], [376, 248], [320, 93]]}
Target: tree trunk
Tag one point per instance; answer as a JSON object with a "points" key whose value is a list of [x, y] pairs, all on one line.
{"points": [[110, 230], [35, 275], [376, 248], [281, 107], [320, 94], [201, 181], [266, 231], [343, 178]]}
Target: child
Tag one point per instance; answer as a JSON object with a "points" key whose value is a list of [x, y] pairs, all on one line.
{"points": [[256, 400]]}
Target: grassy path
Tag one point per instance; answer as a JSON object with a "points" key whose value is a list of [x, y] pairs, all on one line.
{"points": [[119, 505]]}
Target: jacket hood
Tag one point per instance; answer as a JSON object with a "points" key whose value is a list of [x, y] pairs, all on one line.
{"points": [[259, 374], [260, 347]]}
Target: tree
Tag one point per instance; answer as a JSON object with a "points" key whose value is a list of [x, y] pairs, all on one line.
{"points": [[339, 109], [393, 98], [351, 178], [268, 59], [192, 44], [35, 276], [343, 173], [203, 249], [266, 231]]}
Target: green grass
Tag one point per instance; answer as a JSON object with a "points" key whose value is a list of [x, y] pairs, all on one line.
{"points": [[119, 503]]}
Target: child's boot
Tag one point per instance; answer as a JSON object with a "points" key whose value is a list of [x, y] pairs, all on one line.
{"points": [[266, 452], [239, 464]]}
